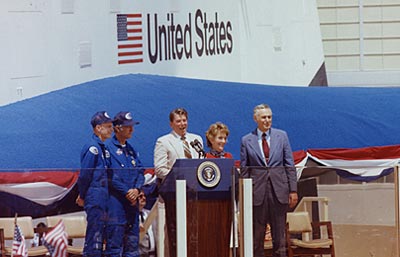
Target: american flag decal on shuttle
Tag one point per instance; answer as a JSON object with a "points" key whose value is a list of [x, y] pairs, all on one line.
{"points": [[130, 38]]}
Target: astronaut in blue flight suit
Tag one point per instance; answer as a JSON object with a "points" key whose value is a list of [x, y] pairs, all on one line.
{"points": [[93, 183], [127, 180]]}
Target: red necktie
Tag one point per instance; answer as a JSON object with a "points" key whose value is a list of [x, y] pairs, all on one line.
{"points": [[265, 147]]}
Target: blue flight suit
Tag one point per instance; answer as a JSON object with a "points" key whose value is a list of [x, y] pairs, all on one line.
{"points": [[123, 223], [93, 189]]}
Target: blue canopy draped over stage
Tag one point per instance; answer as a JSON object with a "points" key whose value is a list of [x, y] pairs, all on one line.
{"points": [[46, 133]]}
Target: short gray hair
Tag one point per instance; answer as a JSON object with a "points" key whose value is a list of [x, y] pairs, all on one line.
{"points": [[261, 107]]}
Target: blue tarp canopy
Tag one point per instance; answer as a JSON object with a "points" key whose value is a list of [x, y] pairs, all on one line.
{"points": [[48, 131]]}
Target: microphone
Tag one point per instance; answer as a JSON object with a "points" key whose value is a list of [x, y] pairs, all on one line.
{"points": [[198, 147]]}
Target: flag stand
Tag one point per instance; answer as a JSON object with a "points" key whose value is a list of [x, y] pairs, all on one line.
{"points": [[15, 223]]}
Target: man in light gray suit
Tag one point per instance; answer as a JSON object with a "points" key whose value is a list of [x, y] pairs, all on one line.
{"points": [[168, 149], [171, 147], [266, 157]]}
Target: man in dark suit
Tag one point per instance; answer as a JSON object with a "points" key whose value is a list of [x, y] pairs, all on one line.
{"points": [[147, 244], [266, 157]]}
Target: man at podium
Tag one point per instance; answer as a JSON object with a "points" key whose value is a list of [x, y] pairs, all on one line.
{"points": [[175, 145], [169, 148]]}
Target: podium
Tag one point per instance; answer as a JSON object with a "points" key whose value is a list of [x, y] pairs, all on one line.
{"points": [[209, 207]]}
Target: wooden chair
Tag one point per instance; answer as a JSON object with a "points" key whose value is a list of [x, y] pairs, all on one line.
{"points": [[7, 228], [75, 226], [312, 239]]}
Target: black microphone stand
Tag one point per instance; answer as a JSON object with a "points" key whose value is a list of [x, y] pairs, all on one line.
{"points": [[199, 149]]}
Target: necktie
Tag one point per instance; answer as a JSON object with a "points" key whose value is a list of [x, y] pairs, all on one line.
{"points": [[141, 217], [186, 149], [265, 147]]}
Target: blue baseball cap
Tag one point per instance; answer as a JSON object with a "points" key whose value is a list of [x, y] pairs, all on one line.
{"points": [[124, 119], [100, 118]]}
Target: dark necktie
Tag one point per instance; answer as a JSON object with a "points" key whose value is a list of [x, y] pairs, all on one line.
{"points": [[186, 148], [141, 217], [142, 221], [265, 147]]}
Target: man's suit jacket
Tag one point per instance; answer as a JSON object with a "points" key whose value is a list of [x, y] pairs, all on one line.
{"points": [[280, 168], [168, 149]]}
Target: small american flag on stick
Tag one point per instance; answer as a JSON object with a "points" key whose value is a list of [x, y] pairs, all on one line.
{"points": [[56, 240], [18, 246]]}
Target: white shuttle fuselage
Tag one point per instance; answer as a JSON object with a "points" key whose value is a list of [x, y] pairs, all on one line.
{"points": [[49, 45]]}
